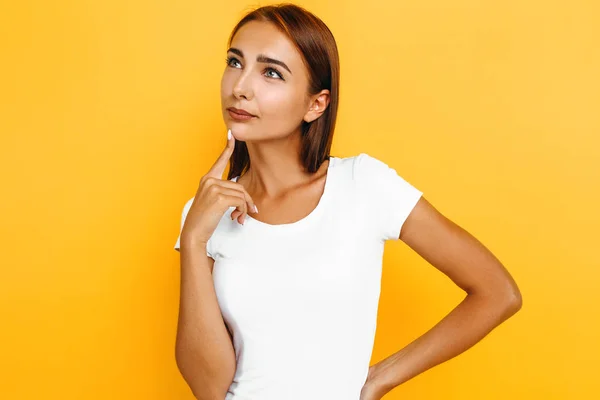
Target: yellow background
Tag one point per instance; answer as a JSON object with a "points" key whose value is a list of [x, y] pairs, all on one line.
{"points": [[111, 113]]}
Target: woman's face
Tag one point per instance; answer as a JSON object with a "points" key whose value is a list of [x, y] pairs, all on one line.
{"points": [[266, 77]]}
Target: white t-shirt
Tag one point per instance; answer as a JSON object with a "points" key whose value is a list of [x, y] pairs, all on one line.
{"points": [[301, 299]]}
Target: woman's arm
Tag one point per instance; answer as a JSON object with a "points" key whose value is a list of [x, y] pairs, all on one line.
{"points": [[204, 352], [492, 297]]}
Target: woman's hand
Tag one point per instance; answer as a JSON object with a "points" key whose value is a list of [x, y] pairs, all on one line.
{"points": [[213, 198]]}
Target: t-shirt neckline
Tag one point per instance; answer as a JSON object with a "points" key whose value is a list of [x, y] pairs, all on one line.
{"points": [[301, 222]]}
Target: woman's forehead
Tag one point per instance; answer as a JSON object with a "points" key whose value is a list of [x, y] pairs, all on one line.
{"points": [[263, 38]]}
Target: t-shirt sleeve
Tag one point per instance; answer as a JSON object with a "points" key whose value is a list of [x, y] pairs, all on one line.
{"points": [[186, 209], [387, 198]]}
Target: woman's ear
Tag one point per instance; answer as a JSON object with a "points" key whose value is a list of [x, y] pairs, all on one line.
{"points": [[318, 105]]}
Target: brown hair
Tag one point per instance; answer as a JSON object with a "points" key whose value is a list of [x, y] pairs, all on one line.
{"points": [[317, 46]]}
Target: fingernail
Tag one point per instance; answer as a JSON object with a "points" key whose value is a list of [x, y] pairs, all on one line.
{"points": [[255, 209], [229, 134]]}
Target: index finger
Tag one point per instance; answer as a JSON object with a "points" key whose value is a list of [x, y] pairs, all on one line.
{"points": [[216, 171]]}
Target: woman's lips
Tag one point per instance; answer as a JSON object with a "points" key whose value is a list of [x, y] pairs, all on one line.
{"points": [[239, 117]]}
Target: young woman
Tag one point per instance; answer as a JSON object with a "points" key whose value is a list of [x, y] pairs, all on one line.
{"points": [[281, 262]]}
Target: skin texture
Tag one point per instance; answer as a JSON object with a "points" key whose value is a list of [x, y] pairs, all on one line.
{"points": [[277, 184]]}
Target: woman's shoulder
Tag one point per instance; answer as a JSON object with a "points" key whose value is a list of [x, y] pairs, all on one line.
{"points": [[361, 165]]}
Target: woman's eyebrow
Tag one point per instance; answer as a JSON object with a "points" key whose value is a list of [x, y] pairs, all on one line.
{"points": [[261, 58]]}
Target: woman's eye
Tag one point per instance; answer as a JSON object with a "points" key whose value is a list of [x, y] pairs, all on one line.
{"points": [[277, 74], [230, 60]]}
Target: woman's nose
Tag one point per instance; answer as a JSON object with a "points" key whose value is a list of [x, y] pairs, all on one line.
{"points": [[243, 87]]}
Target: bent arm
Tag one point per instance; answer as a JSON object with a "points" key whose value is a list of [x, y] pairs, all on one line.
{"points": [[204, 352], [492, 296]]}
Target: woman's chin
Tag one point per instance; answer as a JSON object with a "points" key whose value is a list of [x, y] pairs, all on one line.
{"points": [[239, 131]]}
